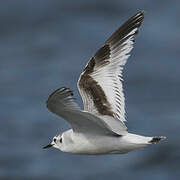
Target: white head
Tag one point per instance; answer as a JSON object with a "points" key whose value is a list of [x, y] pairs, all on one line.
{"points": [[57, 142]]}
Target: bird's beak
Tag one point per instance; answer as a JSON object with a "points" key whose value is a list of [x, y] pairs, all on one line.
{"points": [[48, 146]]}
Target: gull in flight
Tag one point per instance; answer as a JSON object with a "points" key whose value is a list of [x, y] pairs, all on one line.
{"points": [[100, 128]]}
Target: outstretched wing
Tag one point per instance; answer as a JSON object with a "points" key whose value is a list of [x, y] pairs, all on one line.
{"points": [[62, 103], [100, 83]]}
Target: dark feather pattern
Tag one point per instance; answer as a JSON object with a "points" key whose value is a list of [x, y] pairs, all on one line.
{"points": [[90, 86]]}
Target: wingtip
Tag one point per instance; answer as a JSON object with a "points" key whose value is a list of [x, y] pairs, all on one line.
{"points": [[139, 15], [142, 12], [62, 89]]}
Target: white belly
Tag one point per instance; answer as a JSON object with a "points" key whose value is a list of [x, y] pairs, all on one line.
{"points": [[103, 144]]}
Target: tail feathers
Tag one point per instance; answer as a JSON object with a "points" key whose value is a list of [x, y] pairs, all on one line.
{"points": [[156, 139]]}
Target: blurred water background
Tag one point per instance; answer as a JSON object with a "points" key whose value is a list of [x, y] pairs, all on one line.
{"points": [[45, 45]]}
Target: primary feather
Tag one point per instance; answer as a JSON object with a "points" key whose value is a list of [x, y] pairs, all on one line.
{"points": [[100, 84]]}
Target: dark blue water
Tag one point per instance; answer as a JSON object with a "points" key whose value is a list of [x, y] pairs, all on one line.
{"points": [[45, 45]]}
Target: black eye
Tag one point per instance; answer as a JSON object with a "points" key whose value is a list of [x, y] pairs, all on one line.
{"points": [[60, 140], [55, 140]]}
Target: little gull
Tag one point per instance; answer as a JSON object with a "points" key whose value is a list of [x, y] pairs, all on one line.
{"points": [[100, 128]]}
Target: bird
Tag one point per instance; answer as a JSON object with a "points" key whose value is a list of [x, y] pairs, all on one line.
{"points": [[100, 127]]}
